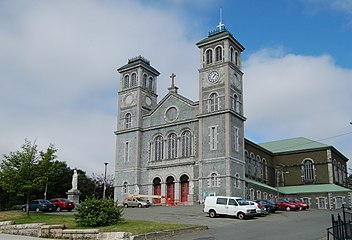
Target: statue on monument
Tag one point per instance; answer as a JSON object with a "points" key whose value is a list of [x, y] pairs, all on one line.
{"points": [[75, 180]]}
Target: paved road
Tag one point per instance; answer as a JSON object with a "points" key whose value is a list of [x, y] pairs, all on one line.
{"points": [[305, 225]]}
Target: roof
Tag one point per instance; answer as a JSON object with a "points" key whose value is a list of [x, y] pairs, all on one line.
{"points": [[293, 144], [260, 184], [216, 35], [315, 188]]}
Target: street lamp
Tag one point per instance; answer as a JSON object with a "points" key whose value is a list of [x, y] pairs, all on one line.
{"points": [[106, 165]]}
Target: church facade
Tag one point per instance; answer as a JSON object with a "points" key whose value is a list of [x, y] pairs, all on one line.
{"points": [[188, 150]]}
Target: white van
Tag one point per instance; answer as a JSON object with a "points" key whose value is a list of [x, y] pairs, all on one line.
{"points": [[233, 206]]}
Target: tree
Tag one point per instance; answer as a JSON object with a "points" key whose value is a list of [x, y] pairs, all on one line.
{"points": [[20, 172]]}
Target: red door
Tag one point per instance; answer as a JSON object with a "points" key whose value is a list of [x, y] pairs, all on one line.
{"points": [[171, 190], [184, 191], [157, 191]]}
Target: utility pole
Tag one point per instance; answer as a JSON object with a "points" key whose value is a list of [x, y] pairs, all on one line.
{"points": [[104, 189]]}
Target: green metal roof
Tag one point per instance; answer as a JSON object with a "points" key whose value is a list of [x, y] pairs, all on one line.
{"points": [[263, 185], [293, 144], [315, 188]]}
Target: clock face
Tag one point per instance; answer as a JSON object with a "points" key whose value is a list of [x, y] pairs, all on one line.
{"points": [[213, 76]]}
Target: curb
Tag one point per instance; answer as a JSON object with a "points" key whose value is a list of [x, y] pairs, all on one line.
{"points": [[167, 233]]}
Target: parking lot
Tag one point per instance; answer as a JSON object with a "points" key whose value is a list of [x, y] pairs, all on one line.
{"points": [[306, 225]]}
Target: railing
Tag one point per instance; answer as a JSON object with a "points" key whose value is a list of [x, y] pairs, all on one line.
{"points": [[341, 227]]}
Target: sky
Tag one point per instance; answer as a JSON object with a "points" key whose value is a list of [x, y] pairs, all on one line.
{"points": [[59, 60]]}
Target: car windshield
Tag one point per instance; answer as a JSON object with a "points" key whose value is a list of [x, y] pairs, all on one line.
{"points": [[242, 202], [285, 200], [64, 200], [270, 202], [140, 200]]}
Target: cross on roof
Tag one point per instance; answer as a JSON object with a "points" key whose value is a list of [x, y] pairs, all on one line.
{"points": [[220, 23], [173, 79]]}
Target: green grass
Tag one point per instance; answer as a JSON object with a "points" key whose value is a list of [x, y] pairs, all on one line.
{"points": [[132, 226]]}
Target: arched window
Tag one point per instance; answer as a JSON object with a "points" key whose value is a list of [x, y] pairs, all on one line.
{"points": [[125, 188], [336, 172], [236, 103], [343, 175], [231, 54], [213, 102], [236, 58], [150, 86], [145, 82], [172, 146], [134, 79], [237, 182], [251, 194], [213, 180], [209, 56], [259, 167], [186, 144], [265, 169], [218, 54], [259, 194], [252, 165], [308, 170], [126, 83], [246, 163], [128, 120], [159, 148]]}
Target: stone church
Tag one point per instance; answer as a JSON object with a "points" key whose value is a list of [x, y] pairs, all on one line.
{"points": [[188, 150]]}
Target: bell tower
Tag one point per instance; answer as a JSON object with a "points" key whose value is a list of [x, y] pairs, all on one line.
{"points": [[136, 97], [221, 120]]}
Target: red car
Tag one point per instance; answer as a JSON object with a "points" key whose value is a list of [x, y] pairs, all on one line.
{"points": [[301, 205], [285, 204], [63, 204]]}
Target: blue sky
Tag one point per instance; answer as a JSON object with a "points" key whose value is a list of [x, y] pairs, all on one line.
{"points": [[59, 83]]}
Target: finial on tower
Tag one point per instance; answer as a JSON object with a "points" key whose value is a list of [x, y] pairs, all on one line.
{"points": [[220, 23]]}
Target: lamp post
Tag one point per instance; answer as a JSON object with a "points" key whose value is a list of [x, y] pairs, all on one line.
{"points": [[104, 188]]}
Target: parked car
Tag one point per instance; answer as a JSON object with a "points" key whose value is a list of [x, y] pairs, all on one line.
{"points": [[39, 205], [259, 208], [301, 205], [232, 206], [63, 204], [136, 202], [284, 204], [269, 205]]}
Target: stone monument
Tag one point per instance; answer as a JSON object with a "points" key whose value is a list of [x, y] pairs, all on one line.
{"points": [[73, 193]]}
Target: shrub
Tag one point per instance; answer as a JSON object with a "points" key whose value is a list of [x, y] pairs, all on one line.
{"points": [[98, 212]]}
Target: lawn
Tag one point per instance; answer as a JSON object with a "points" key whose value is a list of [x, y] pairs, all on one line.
{"points": [[132, 226]]}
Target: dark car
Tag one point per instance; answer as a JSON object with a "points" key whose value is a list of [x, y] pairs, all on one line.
{"points": [[39, 205], [63, 204], [301, 205], [269, 205], [285, 204]]}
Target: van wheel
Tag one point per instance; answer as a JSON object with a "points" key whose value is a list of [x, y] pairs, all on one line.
{"points": [[240, 216], [212, 213], [288, 209], [125, 205], [139, 205]]}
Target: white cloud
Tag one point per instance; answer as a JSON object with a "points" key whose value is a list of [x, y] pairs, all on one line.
{"points": [[289, 95], [58, 71]]}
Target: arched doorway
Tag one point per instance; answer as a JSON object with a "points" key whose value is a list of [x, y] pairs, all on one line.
{"points": [[157, 190], [170, 187], [184, 188]]}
